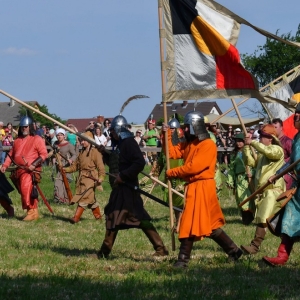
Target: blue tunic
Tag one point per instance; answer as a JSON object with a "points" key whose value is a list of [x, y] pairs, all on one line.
{"points": [[291, 217]]}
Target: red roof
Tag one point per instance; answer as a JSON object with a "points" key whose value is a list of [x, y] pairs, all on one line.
{"points": [[81, 124]]}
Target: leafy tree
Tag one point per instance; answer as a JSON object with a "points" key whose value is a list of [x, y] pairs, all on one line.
{"points": [[37, 117], [179, 117], [273, 59]]}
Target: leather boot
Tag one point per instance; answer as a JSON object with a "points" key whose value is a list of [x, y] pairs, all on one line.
{"points": [[107, 244], [32, 214], [227, 244], [9, 209], [154, 238], [96, 213], [184, 255], [253, 248], [247, 217], [283, 252], [78, 213]]}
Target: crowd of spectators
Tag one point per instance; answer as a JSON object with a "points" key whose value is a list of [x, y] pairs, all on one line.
{"points": [[225, 139]]}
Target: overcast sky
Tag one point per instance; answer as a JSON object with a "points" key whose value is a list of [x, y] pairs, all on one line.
{"points": [[85, 58]]}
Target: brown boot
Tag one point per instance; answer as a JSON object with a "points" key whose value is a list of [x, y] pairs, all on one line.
{"points": [[227, 244], [9, 209], [254, 246], [154, 238], [78, 213], [185, 250], [32, 214], [96, 213], [108, 242]]}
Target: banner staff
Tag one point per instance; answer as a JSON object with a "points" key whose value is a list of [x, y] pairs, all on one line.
{"points": [[261, 90], [163, 85], [49, 118]]}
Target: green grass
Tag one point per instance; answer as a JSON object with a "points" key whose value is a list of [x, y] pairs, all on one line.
{"points": [[48, 259]]}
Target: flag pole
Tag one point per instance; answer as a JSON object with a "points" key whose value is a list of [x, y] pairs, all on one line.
{"points": [[251, 186], [163, 84], [228, 111], [277, 80]]}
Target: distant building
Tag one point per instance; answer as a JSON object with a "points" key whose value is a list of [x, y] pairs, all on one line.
{"points": [[9, 111], [81, 124], [206, 108]]}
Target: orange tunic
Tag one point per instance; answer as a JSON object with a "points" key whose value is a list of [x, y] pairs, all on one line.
{"points": [[202, 212]]}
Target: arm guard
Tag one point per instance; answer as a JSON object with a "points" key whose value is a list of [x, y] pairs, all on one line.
{"points": [[37, 161]]}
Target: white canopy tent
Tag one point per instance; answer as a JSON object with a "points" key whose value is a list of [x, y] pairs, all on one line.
{"points": [[225, 121]]}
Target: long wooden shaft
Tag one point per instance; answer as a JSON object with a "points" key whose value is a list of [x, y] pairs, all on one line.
{"points": [[251, 186], [49, 118], [163, 84], [261, 89], [261, 189], [162, 183]]}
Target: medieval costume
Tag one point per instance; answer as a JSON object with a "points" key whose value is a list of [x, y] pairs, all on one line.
{"points": [[202, 215], [238, 180], [91, 169], [290, 226], [5, 201], [125, 207], [286, 143], [65, 154], [28, 152], [177, 136], [270, 158]]}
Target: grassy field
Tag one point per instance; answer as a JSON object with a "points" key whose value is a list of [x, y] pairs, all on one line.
{"points": [[48, 259]]}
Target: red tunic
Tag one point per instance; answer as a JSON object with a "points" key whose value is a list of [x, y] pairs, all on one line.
{"points": [[24, 151]]}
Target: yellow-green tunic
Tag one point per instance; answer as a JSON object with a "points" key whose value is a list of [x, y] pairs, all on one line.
{"points": [[90, 166], [269, 160]]}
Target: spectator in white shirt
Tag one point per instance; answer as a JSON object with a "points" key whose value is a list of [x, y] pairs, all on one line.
{"points": [[100, 139]]}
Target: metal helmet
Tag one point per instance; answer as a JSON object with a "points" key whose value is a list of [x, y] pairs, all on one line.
{"points": [[173, 123], [25, 121], [197, 126], [118, 123]]}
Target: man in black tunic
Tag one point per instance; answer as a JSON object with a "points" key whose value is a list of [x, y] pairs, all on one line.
{"points": [[125, 208]]}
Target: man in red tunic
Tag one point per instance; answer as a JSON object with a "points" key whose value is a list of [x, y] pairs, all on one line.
{"points": [[286, 143], [202, 215], [28, 152]]}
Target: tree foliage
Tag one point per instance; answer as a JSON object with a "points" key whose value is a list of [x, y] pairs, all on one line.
{"points": [[37, 117], [179, 117], [273, 59]]}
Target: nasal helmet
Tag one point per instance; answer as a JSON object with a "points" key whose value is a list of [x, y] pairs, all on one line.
{"points": [[25, 121], [197, 126]]}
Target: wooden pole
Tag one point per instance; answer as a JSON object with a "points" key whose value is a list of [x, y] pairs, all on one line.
{"points": [[162, 184], [163, 85], [261, 89], [49, 118], [245, 131], [228, 111]]}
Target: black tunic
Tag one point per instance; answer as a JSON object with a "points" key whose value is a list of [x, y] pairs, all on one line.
{"points": [[125, 208]]}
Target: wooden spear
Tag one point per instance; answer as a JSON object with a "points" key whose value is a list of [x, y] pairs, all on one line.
{"points": [[49, 118], [163, 84]]}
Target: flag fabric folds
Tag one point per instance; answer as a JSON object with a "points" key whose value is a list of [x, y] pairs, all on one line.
{"points": [[284, 92], [201, 58]]}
